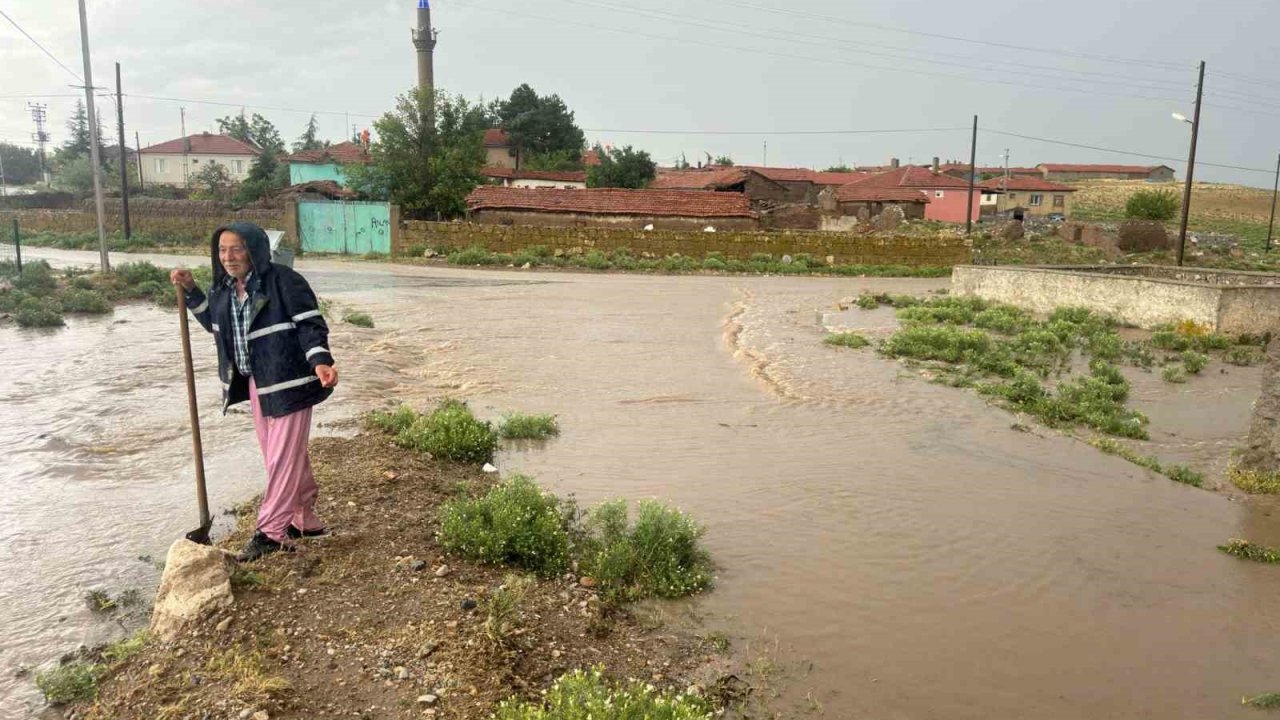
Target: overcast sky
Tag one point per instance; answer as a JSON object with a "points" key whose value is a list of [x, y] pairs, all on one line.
{"points": [[1090, 72]]}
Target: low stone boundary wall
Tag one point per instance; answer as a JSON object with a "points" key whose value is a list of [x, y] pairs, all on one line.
{"points": [[176, 221], [1141, 295], [838, 248]]}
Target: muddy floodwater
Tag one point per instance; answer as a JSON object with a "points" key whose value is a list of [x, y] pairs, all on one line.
{"points": [[897, 547]]}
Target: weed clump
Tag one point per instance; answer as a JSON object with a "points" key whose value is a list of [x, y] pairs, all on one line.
{"points": [[90, 302], [656, 556], [1174, 374], [359, 320], [1194, 362], [1265, 701], [1248, 551], [1255, 482], [588, 694], [1242, 355], [38, 312], [948, 344], [515, 523], [450, 432], [75, 681], [519, 426], [846, 339]]}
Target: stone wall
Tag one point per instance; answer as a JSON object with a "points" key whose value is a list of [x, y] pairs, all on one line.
{"points": [[842, 248], [177, 221], [1140, 296]]}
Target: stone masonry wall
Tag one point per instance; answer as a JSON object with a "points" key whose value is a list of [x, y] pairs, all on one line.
{"points": [[176, 221], [842, 248]]}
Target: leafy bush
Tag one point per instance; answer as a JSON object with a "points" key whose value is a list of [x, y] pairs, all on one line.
{"points": [[474, 255], [583, 695], [1265, 701], [1004, 319], [937, 314], [1243, 355], [1255, 482], [450, 432], [39, 312], [11, 300], [925, 342], [37, 279], [514, 523], [140, 272], [1158, 205], [71, 682], [657, 556], [359, 320], [1194, 362], [1185, 475], [84, 301], [1174, 374], [716, 264], [867, 301], [846, 339], [519, 426]]}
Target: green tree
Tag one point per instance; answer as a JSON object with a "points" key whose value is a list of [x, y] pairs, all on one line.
{"points": [[213, 182], [255, 130], [842, 168], [1158, 205], [539, 124], [308, 139], [77, 143], [427, 170], [264, 176], [723, 161], [21, 165], [560, 160], [622, 168]]}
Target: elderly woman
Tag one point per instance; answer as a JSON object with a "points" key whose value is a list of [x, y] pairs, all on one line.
{"points": [[273, 350]]}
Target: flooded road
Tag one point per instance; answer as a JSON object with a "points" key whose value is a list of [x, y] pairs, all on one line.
{"points": [[928, 560]]}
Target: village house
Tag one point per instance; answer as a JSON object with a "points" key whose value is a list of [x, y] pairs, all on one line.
{"points": [[498, 150], [326, 163], [948, 196], [611, 207], [563, 179], [174, 162], [865, 202], [1021, 197], [745, 181], [961, 171], [1069, 173]]}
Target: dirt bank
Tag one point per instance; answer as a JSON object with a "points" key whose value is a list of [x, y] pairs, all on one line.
{"points": [[367, 624]]}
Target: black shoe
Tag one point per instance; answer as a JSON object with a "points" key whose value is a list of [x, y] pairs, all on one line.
{"points": [[295, 534], [258, 546]]}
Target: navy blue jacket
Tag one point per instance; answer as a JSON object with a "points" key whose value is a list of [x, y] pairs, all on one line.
{"points": [[288, 336]]}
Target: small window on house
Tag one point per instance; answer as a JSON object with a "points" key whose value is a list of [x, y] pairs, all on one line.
{"points": [[237, 166], [937, 193], [1059, 201], [1013, 196], [160, 170], [1036, 200], [195, 161]]}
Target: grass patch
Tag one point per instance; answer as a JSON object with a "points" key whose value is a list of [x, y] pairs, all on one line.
{"points": [[1194, 362], [1243, 356], [1265, 701], [519, 426], [1255, 482], [245, 674], [1248, 551], [39, 312], [359, 320], [90, 302], [450, 432], [948, 344], [584, 694], [515, 523], [75, 681], [126, 648], [867, 301], [503, 609], [1177, 473], [656, 556], [1174, 374], [846, 339]]}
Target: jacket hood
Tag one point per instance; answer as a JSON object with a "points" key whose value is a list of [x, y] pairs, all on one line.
{"points": [[255, 240]]}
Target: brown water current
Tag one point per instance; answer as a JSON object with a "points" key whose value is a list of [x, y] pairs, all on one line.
{"points": [[927, 560]]}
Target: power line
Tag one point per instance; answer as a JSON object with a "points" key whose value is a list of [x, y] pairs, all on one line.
{"points": [[247, 106], [42, 48], [1120, 152], [772, 132]]}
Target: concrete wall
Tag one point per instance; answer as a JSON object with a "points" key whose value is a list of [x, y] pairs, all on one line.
{"points": [[174, 220], [172, 174], [547, 219], [310, 172], [1138, 297], [842, 248], [500, 157]]}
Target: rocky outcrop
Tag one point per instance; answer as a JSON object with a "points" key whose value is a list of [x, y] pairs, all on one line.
{"points": [[196, 582]]}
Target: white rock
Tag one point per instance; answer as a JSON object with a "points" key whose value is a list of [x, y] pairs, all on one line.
{"points": [[428, 699], [196, 581], [442, 571], [489, 468]]}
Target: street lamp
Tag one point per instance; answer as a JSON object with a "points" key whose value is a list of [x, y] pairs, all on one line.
{"points": [[1182, 118], [1194, 122]]}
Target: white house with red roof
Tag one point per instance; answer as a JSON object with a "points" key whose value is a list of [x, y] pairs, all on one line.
{"points": [[174, 162]]}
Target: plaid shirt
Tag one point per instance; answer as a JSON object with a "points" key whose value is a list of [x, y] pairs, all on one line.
{"points": [[241, 311]]}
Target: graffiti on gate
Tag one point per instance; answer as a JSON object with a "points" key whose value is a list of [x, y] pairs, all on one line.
{"points": [[353, 228]]}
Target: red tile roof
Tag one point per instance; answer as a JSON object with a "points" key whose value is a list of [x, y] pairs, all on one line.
{"points": [[344, 153], [495, 171], [611, 201], [859, 193], [964, 168], [713, 179], [1116, 169], [911, 176], [778, 174], [496, 137], [204, 144], [1032, 184], [837, 178]]}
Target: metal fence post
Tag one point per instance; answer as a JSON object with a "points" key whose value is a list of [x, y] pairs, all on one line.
{"points": [[17, 245]]}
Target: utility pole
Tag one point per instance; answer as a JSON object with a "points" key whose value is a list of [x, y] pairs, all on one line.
{"points": [[186, 144], [766, 154], [973, 171], [95, 153], [1275, 189], [4, 184], [137, 142], [1191, 168], [124, 159], [39, 113], [1004, 183]]}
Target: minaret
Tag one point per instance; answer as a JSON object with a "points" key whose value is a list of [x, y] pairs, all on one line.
{"points": [[424, 39]]}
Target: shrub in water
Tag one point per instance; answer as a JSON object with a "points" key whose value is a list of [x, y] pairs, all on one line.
{"points": [[84, 301], [1194, 362], [1174, 374], [1008, 320], [1248, 551], [519, 426], [1255, 482], [75, 681], [924, 342], [514, 523], [451, 432], [588, 695], [867, 301], [712, 263], [1243, 355], [657, 556], [11, 300], [1185, 475], [846, 339], [36, 279], [39, 312], [140, 272], [359, 320]]}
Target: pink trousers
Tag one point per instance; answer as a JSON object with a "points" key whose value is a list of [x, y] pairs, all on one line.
{"points": [[291, 488]]}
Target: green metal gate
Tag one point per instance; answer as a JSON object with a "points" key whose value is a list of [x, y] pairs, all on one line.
{"points": [[354, 228]]}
